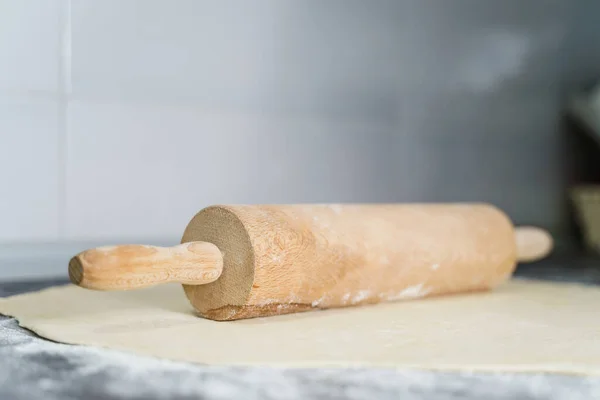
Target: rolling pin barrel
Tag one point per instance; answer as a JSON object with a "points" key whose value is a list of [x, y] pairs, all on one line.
{"points": [[248, 261]]}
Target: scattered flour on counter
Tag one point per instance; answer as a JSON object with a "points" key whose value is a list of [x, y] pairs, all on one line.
{"points": [[37, 368], [118, 371]]}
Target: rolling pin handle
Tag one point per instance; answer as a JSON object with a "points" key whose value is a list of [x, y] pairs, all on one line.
{"points": [[138, 266], [533, 243]]}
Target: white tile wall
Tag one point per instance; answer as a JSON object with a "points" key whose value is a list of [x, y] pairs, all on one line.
{"points": [[146, 170], [513, 176], [121, 118], [478, 46], [30, 36], [508, 116], [275, 55], [29, 169]]}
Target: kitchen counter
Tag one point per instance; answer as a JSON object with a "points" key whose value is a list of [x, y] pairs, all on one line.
{"points": [[35, 368]]}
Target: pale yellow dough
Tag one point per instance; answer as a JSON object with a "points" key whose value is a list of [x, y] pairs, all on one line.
{"points": [[521, 326]]}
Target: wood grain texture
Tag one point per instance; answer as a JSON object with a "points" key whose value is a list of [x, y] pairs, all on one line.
{"points": [[137, 266], [291, 258]]}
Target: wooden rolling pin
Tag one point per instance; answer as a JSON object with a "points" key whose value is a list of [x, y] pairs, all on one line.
{"points": [[252, 261]]}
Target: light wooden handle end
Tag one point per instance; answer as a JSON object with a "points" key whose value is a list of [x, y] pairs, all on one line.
{"points": [[137, 266], [533, 243]]}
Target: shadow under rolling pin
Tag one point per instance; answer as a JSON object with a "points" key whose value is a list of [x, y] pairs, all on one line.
{"points": [[248, 261]]}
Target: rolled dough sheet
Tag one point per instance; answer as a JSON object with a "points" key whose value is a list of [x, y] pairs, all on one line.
{"points": [[521, 326]]}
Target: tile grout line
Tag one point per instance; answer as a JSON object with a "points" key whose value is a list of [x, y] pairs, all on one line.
{"points": [[64, 81]]}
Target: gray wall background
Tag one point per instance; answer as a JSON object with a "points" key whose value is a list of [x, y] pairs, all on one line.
{"points": [[119, 119]]}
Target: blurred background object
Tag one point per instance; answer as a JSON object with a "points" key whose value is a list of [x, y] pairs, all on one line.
{"points": [[583, 122], [120, 119]]}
